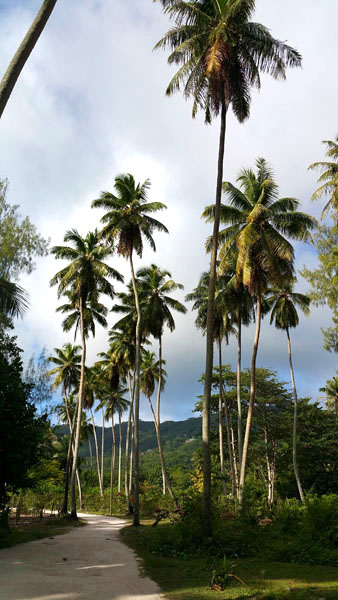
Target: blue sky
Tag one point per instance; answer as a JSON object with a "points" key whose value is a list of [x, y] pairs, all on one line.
{"points": [[90, 104]]}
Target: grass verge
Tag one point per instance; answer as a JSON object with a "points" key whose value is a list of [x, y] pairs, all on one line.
{"points": [[36, 531], [189, 578]]}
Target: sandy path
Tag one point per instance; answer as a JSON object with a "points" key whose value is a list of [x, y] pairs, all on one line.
{"points": [[98, 566]]}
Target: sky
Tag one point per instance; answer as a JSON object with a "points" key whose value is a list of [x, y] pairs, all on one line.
{"points": [[90, 104]]}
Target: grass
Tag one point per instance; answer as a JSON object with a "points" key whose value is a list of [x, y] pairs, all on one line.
{"points": [[48, 527], [189, 578]]}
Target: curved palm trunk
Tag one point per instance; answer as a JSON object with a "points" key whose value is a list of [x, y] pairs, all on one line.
{"points": [[165, 478], [230, 445], [112, 465], [120, 455], [23, 52], [251, 402], [126, 466], [97, 454], [78, 481], [91, 460], [209, 337], [136, 521], [79, 414], [64, 510], [132, 451], [102, 449], [239, 403], [294, 433], [220, 413]]}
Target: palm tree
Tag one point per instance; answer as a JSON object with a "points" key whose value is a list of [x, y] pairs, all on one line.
{"points": [[331, 392], [328, 177], [155, 284], [13, 299], [93, 388], [284, 303], [127, 221], [67, 373], [258, 221], [23, 52], [86, 275], [94, 312], [221, 53]]}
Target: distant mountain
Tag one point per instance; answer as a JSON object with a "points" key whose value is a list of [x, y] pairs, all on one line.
{"points": [[173, 433]]}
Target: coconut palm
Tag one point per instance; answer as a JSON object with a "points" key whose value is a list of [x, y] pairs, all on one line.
{"points": [[328, 177], [94, 312], [87, 276], [259, 223], [67, 372], [221, 53], [127, 222], [155, 285], [331, 392], [23, 52], [284, 303], [13, 299]]}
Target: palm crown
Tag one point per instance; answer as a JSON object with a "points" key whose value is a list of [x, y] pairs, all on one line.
{"points": [[329, 176], [222, 53], [259, 223], [128, 215], [284, 303]]}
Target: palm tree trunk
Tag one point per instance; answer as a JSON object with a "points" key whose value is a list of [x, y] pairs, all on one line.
{"points": [[120, 455], [136, 521], [165, 477], [78, 481], [102, 449], [234, 461], [294, 434], [23, 52], [251, 401], [231, 457], [97, 454], [64, 510], [132, 451], [220, 413], [126, 466], [209, 337], [239, 404], [112, 465], [91, 460], [79, 414], [160, 450]]}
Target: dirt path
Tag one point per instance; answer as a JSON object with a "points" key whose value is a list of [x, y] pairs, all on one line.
{"points": [[89, 563]]}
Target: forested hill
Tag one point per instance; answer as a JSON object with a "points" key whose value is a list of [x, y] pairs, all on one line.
{"points": [[175, 432]]}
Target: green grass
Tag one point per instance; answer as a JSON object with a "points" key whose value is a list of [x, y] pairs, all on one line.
{"points": [[36, 531], [189, 578]]}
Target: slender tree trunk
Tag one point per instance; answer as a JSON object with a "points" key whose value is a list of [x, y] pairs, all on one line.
{"points": [[207, 500], [132, 452], [234, 460], [64, 510], [239, 403], [251, 401], [78, 481], [220, 413], [294, 433], [165, 478], [23, 52], [120, 455], [160, 450], [91, 461], [231, 459], [97, 454], [102, 449], [112, 465], [79, 414], [136, 521], [126, 466]]}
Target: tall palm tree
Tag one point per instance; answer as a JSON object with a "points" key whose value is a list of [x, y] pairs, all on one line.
{"points": [[87, 275], [94, 312], [328, 177], [221, 53], [258, 221], [284, 303], [23, 52], [94, 389], [127, 222], [67, 372], [155, 286], [13, 299]]}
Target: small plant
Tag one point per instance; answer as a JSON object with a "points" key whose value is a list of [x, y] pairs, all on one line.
{"points": [[225, 576]]}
